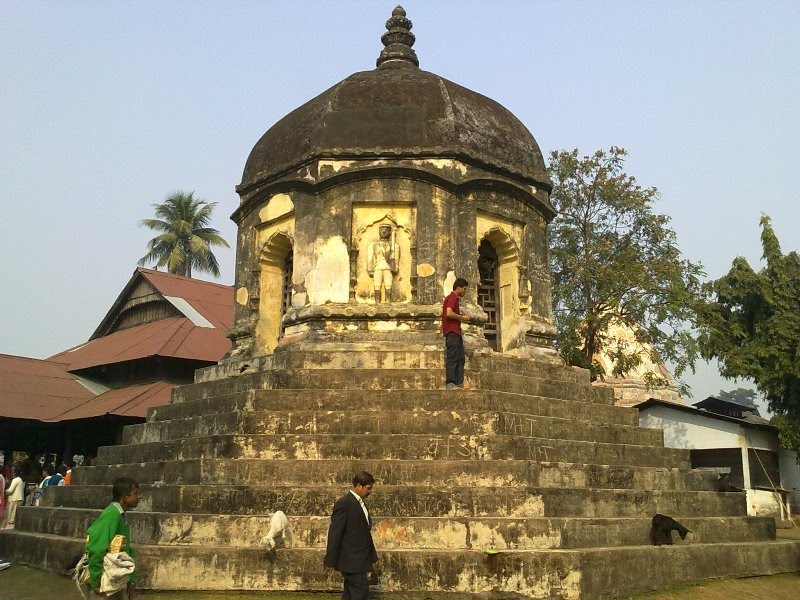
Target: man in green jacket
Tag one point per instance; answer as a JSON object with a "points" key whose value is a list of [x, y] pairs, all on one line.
{"points": [[112, 522]]}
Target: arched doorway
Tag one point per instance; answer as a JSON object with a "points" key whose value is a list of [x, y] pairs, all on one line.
{"points": [[275, 290], [487, 292]]}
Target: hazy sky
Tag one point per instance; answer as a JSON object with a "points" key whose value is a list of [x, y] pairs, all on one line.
{"points": [[107, 107]]}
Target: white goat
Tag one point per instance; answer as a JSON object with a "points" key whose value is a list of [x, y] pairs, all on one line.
{"points": [[278, 528]]}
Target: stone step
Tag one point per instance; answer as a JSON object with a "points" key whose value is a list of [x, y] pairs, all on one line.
{"points": [[406, 501], [588, 574], [390, 379], [382, 400], [657, 567], [522, 384], [358, 358], [239, 472], [350, 357], [453, 422], [501, 533], [493, 363], [391, 446]]}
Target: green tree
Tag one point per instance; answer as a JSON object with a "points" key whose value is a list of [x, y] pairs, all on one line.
{"points": [[788, 431], [185, 240], [751, 325], [616, 262]]}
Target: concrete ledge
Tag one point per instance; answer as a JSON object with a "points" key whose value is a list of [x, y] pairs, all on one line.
{"points": [[429, 473], [380, 400], [560, 574], [391, 447], [456, 422], [405, 501], [484, 533]]}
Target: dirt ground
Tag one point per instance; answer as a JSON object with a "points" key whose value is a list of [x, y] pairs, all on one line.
{"points": [[24, 583]]}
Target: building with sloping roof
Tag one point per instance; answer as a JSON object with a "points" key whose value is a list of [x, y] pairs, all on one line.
{"points": [[731, 408], [38, 389], [160, 329], [32, 392], [733, 437]]}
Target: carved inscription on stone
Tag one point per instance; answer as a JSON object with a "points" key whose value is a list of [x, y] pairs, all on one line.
{"points": [[513, 424]]}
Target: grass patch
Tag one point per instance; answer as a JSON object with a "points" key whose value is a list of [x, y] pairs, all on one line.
{"points": [[773, 587], [25, 583]]}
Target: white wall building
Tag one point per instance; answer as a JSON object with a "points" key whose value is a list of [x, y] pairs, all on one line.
{"points": [[732, 437]]}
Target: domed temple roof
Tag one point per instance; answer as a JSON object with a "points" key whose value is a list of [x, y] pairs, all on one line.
{"points": [[397, 110]]}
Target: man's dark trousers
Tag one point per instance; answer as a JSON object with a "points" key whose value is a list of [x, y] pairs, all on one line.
{"points": [[356, 586], [454, 359]]}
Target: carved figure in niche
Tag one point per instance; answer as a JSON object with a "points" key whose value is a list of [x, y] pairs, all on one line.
{"points": [[382, 259]]}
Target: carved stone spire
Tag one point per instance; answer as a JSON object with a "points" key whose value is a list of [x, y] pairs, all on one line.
{"points": [[398, 40]]}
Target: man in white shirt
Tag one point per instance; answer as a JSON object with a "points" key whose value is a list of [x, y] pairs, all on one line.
{"points": [[15, 494]]}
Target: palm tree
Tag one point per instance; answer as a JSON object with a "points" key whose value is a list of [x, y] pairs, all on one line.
{"points": [[185, 241]]}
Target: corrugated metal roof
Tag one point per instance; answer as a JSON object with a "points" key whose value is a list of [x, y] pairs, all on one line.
{"points": [[37, 389], [200, 301], [176, 337], [131, 401], [212, 300]]}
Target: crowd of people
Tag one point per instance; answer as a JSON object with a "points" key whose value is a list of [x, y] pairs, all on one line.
{"points": [[107, 569], [26, 481]]}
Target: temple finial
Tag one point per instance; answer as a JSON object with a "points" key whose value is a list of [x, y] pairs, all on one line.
{"points": [[398, 40]]}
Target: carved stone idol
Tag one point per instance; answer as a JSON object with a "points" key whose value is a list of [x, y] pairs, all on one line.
{"points": [[382, 259]]}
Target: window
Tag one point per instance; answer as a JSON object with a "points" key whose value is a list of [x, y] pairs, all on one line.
{"points": [[487, 290], [286, 287]]}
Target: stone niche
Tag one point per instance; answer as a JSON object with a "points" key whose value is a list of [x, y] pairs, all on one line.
{"points": [[367, 221]]}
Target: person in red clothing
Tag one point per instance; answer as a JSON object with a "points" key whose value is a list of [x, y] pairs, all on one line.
{"points": [[451, 330]]}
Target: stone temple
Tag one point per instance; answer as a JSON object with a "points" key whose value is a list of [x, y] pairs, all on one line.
{"points": [[455, 179], [358, 210]]}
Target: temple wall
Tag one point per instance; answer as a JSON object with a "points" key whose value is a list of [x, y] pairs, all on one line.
{"points": [[434, 213]]}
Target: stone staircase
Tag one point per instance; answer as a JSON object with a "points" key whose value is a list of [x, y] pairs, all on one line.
{"points": [[531, 484]]}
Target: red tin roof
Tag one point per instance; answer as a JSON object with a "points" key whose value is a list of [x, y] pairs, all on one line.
{"points": [[198, 335], [47, 390], [176, 337], [131, 401], [212, 300], [37, 389]]}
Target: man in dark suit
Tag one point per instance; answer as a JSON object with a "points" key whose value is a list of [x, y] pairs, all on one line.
{"points": [[350, 547]]}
